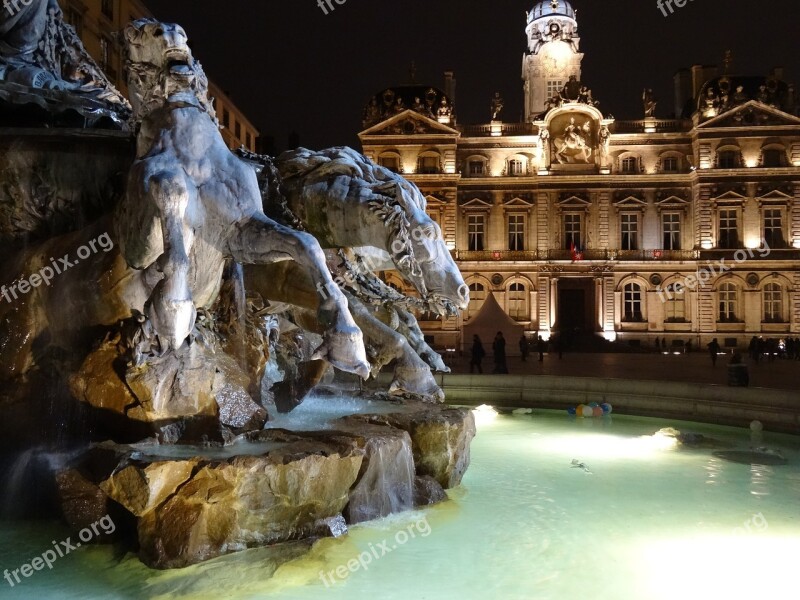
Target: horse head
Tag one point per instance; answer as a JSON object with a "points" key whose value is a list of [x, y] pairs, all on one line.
{"points": [[418, 249]]}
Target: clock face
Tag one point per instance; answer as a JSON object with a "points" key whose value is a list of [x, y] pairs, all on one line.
{"points": [[550, 66]]}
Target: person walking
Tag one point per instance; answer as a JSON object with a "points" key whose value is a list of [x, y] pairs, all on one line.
{"points": [[477, 355], [523, 347], [541, 346], [713, 350], [499, 350]]}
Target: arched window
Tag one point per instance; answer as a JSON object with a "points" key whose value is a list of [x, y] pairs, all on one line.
{"points": [[477, 295], [675, 304], [518, 302], [632, 300], [773, 303], [728, 303]]}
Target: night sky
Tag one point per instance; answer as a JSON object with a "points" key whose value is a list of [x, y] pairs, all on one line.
{"points": [[292, 68]]}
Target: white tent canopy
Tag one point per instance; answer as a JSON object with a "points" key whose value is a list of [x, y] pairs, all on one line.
{"points": [[490, 319]]}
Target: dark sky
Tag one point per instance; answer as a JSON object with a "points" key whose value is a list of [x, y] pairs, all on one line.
{"points": [[291, 67]]}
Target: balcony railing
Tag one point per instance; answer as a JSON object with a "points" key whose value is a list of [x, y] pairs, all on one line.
{"points": [[497, 129], [659, 125], [792, 254], [586, 255]]}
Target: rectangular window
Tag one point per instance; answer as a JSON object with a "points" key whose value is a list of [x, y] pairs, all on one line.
{"points": [[238, 131], [630, 165], [728, 228], [675, 309], [728, 303], [516, 232], [774, 158], [476, 168], [554, 87], [249, 140], [105, 53], [226, 118], [515, 168], [390, 162], [671, 230], [773, 227], [476, 231], [107, 8], [728, 159], [629, 234], [573, 231], [633, 303], [670, 165], [428, 165], [773, 303]]}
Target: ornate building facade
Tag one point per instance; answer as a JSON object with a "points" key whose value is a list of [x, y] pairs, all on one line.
{"points": [[684, 229], [98, 21]]}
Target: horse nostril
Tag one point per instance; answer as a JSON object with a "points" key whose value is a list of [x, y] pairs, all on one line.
{"points": [[463, 293]]}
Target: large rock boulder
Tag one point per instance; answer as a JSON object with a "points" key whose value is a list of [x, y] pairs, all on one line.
{"points": [[196, 393], [440, 438], [191, 510]]}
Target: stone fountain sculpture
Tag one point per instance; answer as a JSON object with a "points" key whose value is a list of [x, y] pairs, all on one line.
{"points": [[43, 62], [208, 293], [369, 219]]}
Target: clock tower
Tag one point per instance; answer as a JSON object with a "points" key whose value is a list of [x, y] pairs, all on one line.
{"points": [[552, 56]]}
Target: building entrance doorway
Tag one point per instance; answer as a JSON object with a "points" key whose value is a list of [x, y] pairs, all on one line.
{"points": [[576, 305]]}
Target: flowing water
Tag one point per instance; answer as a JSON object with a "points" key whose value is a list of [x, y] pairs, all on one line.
{"points": [[632, 519]]}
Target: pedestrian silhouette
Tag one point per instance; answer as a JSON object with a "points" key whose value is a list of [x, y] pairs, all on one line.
{"points": [[713, 350], [477, 355]]}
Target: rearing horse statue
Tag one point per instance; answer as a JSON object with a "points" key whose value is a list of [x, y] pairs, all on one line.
{"points": [[191, 204]]}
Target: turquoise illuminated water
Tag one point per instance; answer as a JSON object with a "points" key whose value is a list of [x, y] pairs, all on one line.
{"points": [[645, 522]]}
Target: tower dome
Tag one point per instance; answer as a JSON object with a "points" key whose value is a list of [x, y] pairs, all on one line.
{"points": [[553, 56], [551, 8]]}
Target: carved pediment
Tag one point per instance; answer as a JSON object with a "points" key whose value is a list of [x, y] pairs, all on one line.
{"points": [[629, 201], [436, 199], [672, 202], [752, 113], [776, 192], [477, 204], [729, 194], [518, 201], [410, 123], [572, 202]]}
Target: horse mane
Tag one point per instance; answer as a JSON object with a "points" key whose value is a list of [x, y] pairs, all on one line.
{"points": [[398, 197]]}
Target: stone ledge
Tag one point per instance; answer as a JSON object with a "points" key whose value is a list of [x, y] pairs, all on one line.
{"points": [[778, 410]]}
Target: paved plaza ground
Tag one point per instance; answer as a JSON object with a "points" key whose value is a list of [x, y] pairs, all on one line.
{"points": [[694, 367]]}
